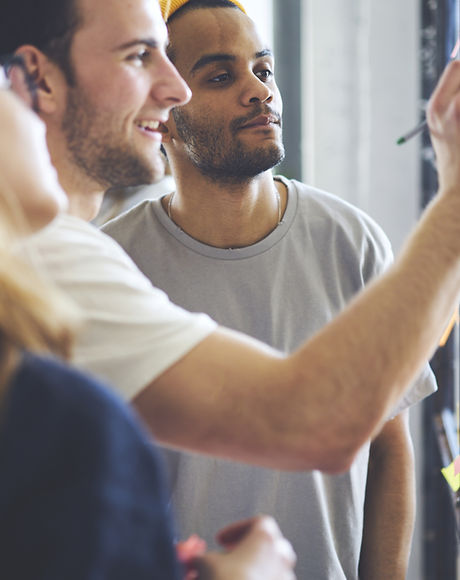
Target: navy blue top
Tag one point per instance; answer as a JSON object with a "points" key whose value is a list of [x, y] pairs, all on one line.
{"points": [[82, 493]]}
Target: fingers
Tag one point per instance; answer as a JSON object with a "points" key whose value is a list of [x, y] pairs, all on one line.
{"points": [[234, 533], [190, 549], [266, 529], [443, 116], [267, 552], [261, 552], [445, 97], [448, 84]]}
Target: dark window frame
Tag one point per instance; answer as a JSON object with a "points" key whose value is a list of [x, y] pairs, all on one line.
{"points": [[441, 511]]}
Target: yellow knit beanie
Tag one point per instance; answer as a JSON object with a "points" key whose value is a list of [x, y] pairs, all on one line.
{"points": [[168, 7]]}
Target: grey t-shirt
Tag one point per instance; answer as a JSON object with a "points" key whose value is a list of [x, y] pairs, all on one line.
{"points": [[280, 290]]}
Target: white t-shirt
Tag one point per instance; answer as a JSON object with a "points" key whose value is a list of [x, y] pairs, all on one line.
{"points": [[132, 332]]}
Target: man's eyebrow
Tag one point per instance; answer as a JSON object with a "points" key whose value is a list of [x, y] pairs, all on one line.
{"points": [[211, 58], [150, 42], [264, 52], [220, 57]]}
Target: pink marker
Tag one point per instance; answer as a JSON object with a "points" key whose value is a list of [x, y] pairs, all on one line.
{"points": [[457, 465]]}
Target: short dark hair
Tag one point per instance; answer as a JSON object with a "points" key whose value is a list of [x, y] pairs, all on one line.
{"points": [[193, 4], [49, 25]]}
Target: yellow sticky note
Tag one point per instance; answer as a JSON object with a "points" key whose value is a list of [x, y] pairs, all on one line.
{"points": [[452, 479]]}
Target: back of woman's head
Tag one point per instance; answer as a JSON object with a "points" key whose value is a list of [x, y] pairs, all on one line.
{"points": [[33, 314]]}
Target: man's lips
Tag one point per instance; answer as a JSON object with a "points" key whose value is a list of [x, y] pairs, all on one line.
{"points": [[148, 125], [150, 128], [261, 121]]}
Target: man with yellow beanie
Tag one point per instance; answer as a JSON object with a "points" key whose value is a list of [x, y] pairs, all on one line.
{"points": [[169, 7], [277, 260]]}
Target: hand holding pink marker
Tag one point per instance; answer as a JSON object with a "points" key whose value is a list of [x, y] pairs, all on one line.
{"points": [[423, 125]]}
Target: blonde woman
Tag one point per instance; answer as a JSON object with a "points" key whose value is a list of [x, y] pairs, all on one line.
{"points": [[77, 474], [82, 495]]}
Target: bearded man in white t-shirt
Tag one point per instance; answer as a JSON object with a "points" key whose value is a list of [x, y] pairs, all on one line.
{"points": [[104, 87]]}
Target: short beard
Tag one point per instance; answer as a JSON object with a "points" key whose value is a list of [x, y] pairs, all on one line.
{"points": [[208, 152], [94, 150]]}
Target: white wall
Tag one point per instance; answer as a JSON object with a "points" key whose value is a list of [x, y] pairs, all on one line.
{"points": [[361, 86], [261, 11]]}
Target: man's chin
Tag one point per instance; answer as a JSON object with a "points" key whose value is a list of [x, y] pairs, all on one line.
{"points": [[139, 172], [151, 166]]}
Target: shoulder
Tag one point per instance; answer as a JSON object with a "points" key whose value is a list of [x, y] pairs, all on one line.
{"points": [[80, 259], [57, 401], [132, 332], [120, 199], [331, 227], [45, 381], [71, 449], [71, 238], [137, 224], [335, 216], [334, 208]]}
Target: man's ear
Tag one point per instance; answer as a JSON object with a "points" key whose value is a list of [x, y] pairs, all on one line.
{"points": [[47, 77]]}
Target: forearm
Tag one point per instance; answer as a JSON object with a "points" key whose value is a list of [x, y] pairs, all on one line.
{"points": [[369, 355], [389, 509], [235, 397]]}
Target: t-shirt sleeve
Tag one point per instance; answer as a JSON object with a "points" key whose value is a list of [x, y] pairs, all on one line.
{"points": [[379, 258], [424, 386], [131, 331]]}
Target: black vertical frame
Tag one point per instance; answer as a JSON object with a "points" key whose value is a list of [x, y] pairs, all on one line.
{"points": [[439, 506]]}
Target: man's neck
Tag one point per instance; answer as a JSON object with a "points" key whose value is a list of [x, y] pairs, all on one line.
{"points": [[87, 206], [84, 194], [85, 197], [227, 216]]}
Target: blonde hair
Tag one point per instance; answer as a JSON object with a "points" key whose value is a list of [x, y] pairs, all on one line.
{"points": [[34, 315]]}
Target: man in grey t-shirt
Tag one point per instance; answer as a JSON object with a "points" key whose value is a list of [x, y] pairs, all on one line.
{"points": [[277, 260]]}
